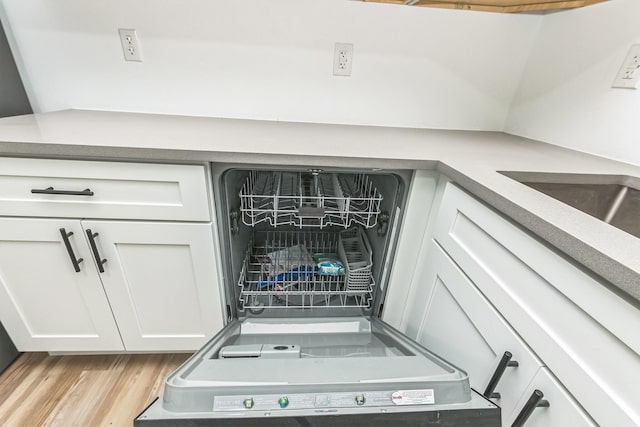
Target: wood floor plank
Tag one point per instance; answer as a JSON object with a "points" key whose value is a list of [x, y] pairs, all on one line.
{"points": [[136, 384], [17, 373], [87, 395], [43, 390], [34, 383]]}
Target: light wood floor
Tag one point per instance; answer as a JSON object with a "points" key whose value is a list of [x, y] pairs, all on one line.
{"points": [[43, 390]]}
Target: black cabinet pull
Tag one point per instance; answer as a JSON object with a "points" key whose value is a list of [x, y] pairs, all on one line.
{"points": [[94, 248], [51, 190], [535, 401], [495, 378], [67, 244]]}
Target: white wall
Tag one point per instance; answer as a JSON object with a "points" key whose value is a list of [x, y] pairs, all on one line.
{"points": [[272, 59], [566, 98]]}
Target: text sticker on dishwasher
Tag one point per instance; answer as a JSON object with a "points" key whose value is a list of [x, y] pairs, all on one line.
{"points": [[413, 397]]}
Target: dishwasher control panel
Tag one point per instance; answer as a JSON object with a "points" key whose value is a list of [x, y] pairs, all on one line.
{"points": [[269, 402]]}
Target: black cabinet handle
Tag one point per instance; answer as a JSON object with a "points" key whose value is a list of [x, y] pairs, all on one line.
{"points": [[67, 244], [535, 401], [495, 378], [51, 190], [94, 248]]}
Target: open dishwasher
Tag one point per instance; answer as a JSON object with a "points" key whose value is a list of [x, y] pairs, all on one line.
{"points": [[307, 257]]}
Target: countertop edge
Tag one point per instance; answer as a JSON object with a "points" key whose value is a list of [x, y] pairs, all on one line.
{"points": [[619, 278]]}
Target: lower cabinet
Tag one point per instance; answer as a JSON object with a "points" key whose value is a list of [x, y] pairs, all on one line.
{"points": [[582, 331], [454, 320], [71, 285], [546, 403], [450, 316], [45, 304]]}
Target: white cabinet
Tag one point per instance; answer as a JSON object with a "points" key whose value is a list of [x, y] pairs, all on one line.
{"points": [[46, 305], [447, 314], [458, 323], [557, 407], [158, 284], [583, 332], [482, 286], [161, 281], [158, 289]]}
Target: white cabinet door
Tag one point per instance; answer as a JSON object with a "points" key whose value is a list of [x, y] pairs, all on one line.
{"points": [[161, 281], [450, 316], [586, 334], [46, 305], [561, 409]]}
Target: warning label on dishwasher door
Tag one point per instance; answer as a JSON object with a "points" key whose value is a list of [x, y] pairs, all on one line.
{"points": [[413, 397]]}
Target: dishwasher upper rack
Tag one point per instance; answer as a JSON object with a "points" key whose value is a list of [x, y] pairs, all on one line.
{"points": [[309, 200], [263, 285]]}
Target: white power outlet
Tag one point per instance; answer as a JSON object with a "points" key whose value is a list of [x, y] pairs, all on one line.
{"points": [[629, 73], [342, 59], [130, 45]]}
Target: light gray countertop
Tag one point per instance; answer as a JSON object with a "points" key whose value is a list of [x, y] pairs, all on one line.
{"points": [[472, 159]]}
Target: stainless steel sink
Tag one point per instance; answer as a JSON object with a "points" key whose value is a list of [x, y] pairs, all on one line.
{"points": [[614, 199]]}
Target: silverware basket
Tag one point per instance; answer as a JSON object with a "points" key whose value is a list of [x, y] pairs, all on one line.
{"points": [[355, 252]]}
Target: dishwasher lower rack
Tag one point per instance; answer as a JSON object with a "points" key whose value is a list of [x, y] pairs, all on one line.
{"points": [[307, 200], [277, 273]]}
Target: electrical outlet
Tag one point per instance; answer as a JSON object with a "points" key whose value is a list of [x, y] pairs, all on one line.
{"points": [[342, 59], [629, 73], [130, 45]]}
